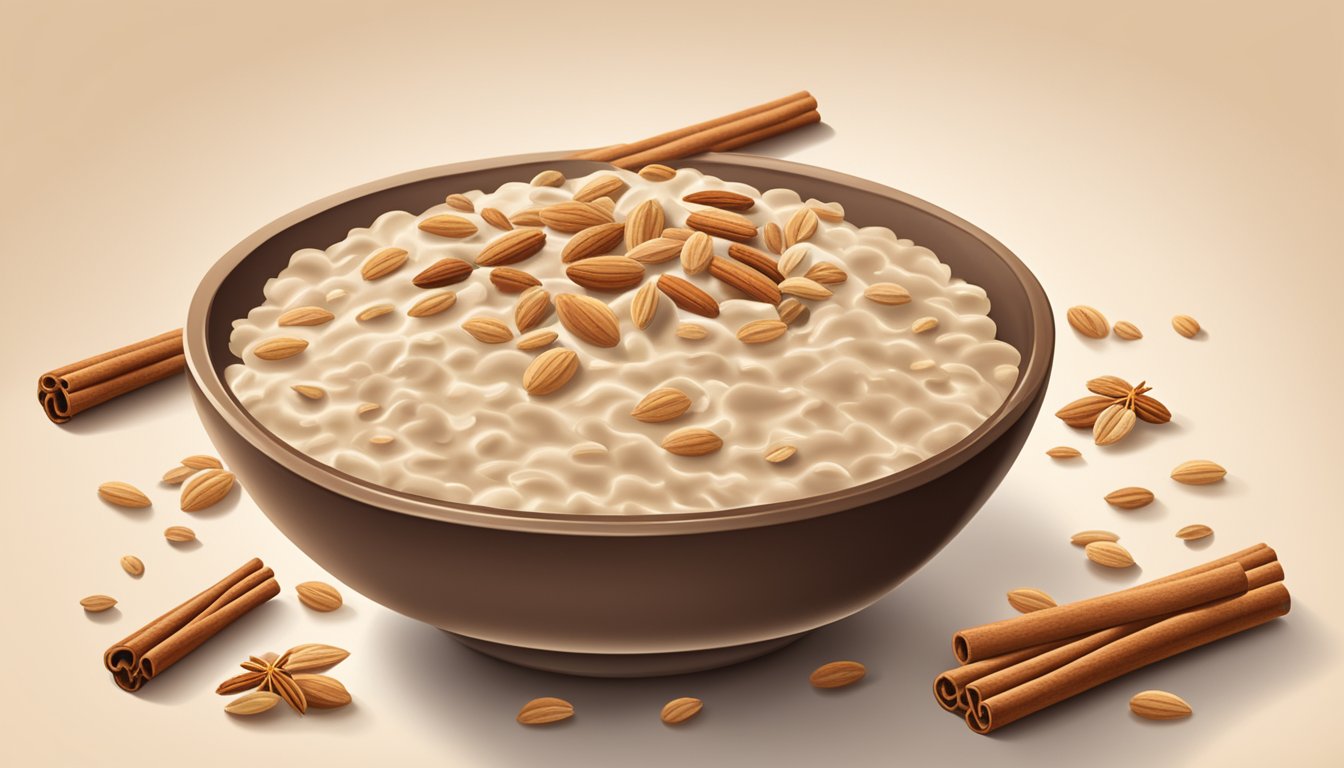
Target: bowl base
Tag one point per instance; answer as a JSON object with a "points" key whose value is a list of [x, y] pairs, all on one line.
{"points": [[625, 664]]}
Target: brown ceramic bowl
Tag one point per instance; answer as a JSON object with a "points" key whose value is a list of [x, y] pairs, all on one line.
{"points": [[630, 595]]}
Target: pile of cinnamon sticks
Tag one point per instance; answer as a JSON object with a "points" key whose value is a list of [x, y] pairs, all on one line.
{"points": [[1013, 668]]}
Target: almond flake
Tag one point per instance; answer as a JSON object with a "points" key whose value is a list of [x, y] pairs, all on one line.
{"points": [[680, 710], [692, 332], [1127, 331], [375, 312], [309, 391], [780, 453], [924, 324]]}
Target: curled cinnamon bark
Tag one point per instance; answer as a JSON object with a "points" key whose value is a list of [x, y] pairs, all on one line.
{"points": [[72, 389]]}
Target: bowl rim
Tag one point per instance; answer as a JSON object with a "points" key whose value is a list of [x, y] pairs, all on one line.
{"points": [[1031, 379]]}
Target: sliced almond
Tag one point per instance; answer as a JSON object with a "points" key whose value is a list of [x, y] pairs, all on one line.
{"points": [[1083, 538], [1198, 472], [1132, 497], [319, 596], [1088, 321], [606, 273], [832, 212], [512, 247], [692, 441], [179, 534], [544, 710], [678, 233], [826, 273], [1127, 331], [644, 223], [721, 198], [487, 330], [202, 461], [1109, 554], [573, 216], [1084, 411], [1110, 386], [607, 205], [321, 691], [206, 489], [366, 408], [692, 332], [773, 237], [448, 225], [1194, 532], [550, 371], [133, 565], [589, 319], [837, 674], [460, 202], [310, 656], [805, 288], [375, 312], [383, 263], [279, 348], [537, 340], [657, 172], [548, 178], [657, 250], [97, 603], [1185, 325], [1113, 424], [253, 703], [645, 305], [662, 404], [1159, 705], [680, 710], [382, 439], [305, 316], [1151, 410], [592, 241], [761, 331], [433, 304], [308, 391], [1027, 600], [602, 186], [724, 224], [1063, 452], [790, 310], [750, 282], [122, 494], [496, 218], [780, 453], [890, 294], [510, 280], [531, 309], [791, 259], [924, 325], [756, 259], [177, 474], [688, 296], [529, 217], [802, 226]]}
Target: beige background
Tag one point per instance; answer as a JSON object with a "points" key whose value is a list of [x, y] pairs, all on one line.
{"points": [[1143, 158]]}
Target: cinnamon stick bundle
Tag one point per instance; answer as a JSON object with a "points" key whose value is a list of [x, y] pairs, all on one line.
{"points": [[163, 642], [75, 388]]}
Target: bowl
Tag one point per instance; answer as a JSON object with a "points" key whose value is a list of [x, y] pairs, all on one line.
{"points": [[618, 596]]}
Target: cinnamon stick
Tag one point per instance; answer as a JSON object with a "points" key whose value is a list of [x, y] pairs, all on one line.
{"points": [[158, 645], [708, 138], [72, 389]]}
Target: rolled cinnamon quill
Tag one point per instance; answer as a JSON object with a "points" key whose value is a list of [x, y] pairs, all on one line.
{"points": [[163, 642], [72, 389]]}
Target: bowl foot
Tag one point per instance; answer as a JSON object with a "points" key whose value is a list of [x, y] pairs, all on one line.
{"points": [[625, 664]]}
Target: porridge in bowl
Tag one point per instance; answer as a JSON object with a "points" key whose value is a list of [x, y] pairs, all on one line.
{"points": [[620, 343]]}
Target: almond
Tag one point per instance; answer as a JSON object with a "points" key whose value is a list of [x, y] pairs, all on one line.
{"points": [[201, 461], [496, 218], [1088, 322], [837, 674], [279, 348], [550, 371], [890, 294], [1113, 424], [177, 474], [1127, 331], [1132, 497], [773, 237], [593, 241], [657, 250], [924, 324], [696, 253], [607, 273], [692, 441], [321, 691], [447, 225], [688, 296], [445, 271], [602, 186], [179, 534], [305, 316], [805, 288], [1109, 554], [1063, 452], [755, 285], [657, 172], [537, 340], [692, 332], [721, 198], [1159, 705], [826, 273], [433, 304], [724, 224], [644, 223], [1084, 411], [253, 703], [1198, 472], [573, 216], [460, 202], [487, 330], [530, 217], [310, 656], [97, 603], [1027, 600], [383, 263], [1110, 386], [510, 280], [832, 212], [758, 260], [761, 331], [802, 225], [1151, 410], [1194, 532], [512, 247], [319, 596], [364, 408], [606, 205], [545, 710], [589, 319], [662, 404], [780, 453], [678, 233], [680, 710], [532, 307], [306, 390], [382, 439], [791, 259], [374, 312], [548, 178], [123, 495], [1083, 538], [206, 489], [1185, 325], [132, 565], [790, 310], [645, 305]]}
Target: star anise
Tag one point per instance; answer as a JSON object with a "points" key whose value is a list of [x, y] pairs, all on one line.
{"points": [[1113, 409], [281, 675]]}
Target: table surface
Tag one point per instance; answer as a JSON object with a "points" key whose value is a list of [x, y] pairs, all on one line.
{"points": [[1145, 159]]}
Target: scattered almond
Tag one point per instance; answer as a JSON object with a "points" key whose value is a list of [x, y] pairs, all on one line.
{"points": [[206, 489], [680, 710], [1088, 322], [1084, 411], [1198, 472], [750, 282], [445, 271], [253, 703], [790, 310], [1083, 538], [447, 225], [487, 330], [1159, 705], [607, 273], [308, 391], [132, 565], [1194, 532], [721, 198], [545, 710], [1027, 600], [837, 674], [201, 461], [177, 474], [433, 304], [804, 288], [1185, 325], [531, 308], [791, 259], [279, 348], [780, 453], [725, 224], [1131, 497], [602, 186], [529, 217], [537, 340], [802, 225], [696, 253], [512, 247], [773, 237], [364, 408], [510, 280], [644, 223], [692, 332], [592, 241], [761, 331], [662, 404], [924, 324], [319, 596], [1113, 424], [460, 202], [310, 656], [550, 371], [1127, 331], [179, 534], [382, 439], [374, 312], [756, 259], [383, 263], [548, 178], [1110, 386], [573, 216], [589, 319], [688, 296], [1109, 554], [123, 495], [1150, 410], [305, 316], [678, 233], [890, 294], [1063, 452], [321, 691], [645, 305], [97, 603], [657, 172], [657, 250], [692, 441], [496, 218], [826, 273]]}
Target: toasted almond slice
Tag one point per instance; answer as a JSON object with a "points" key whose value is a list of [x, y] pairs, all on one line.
{"points": [[1083, 538], [1063, 452], [588, 319], [780, 453], [603, 186], [657, 172], [433, 304], [924, 324], [1109, 554], [460, 202], [593, 241], [487, 330], [761, 331], [1132, 497], [805, 288], [688, 296], [550, 371], [645, 305], [1159, 705], [510, 280], [692, 441], [305, 316], [721, 198], [375, 312], [545, 710], [496, 218], [692, 332], [279, 348], [1194, 532], [532, 307], [837, 674], [1198, 472], [512, 247], [383, 263], [122, 494], [644, 223], [448, 225], [1027, 600], [1088, 321], [662, 404], [308, 391], [537, 340], [890, 294], [548, 178]]}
